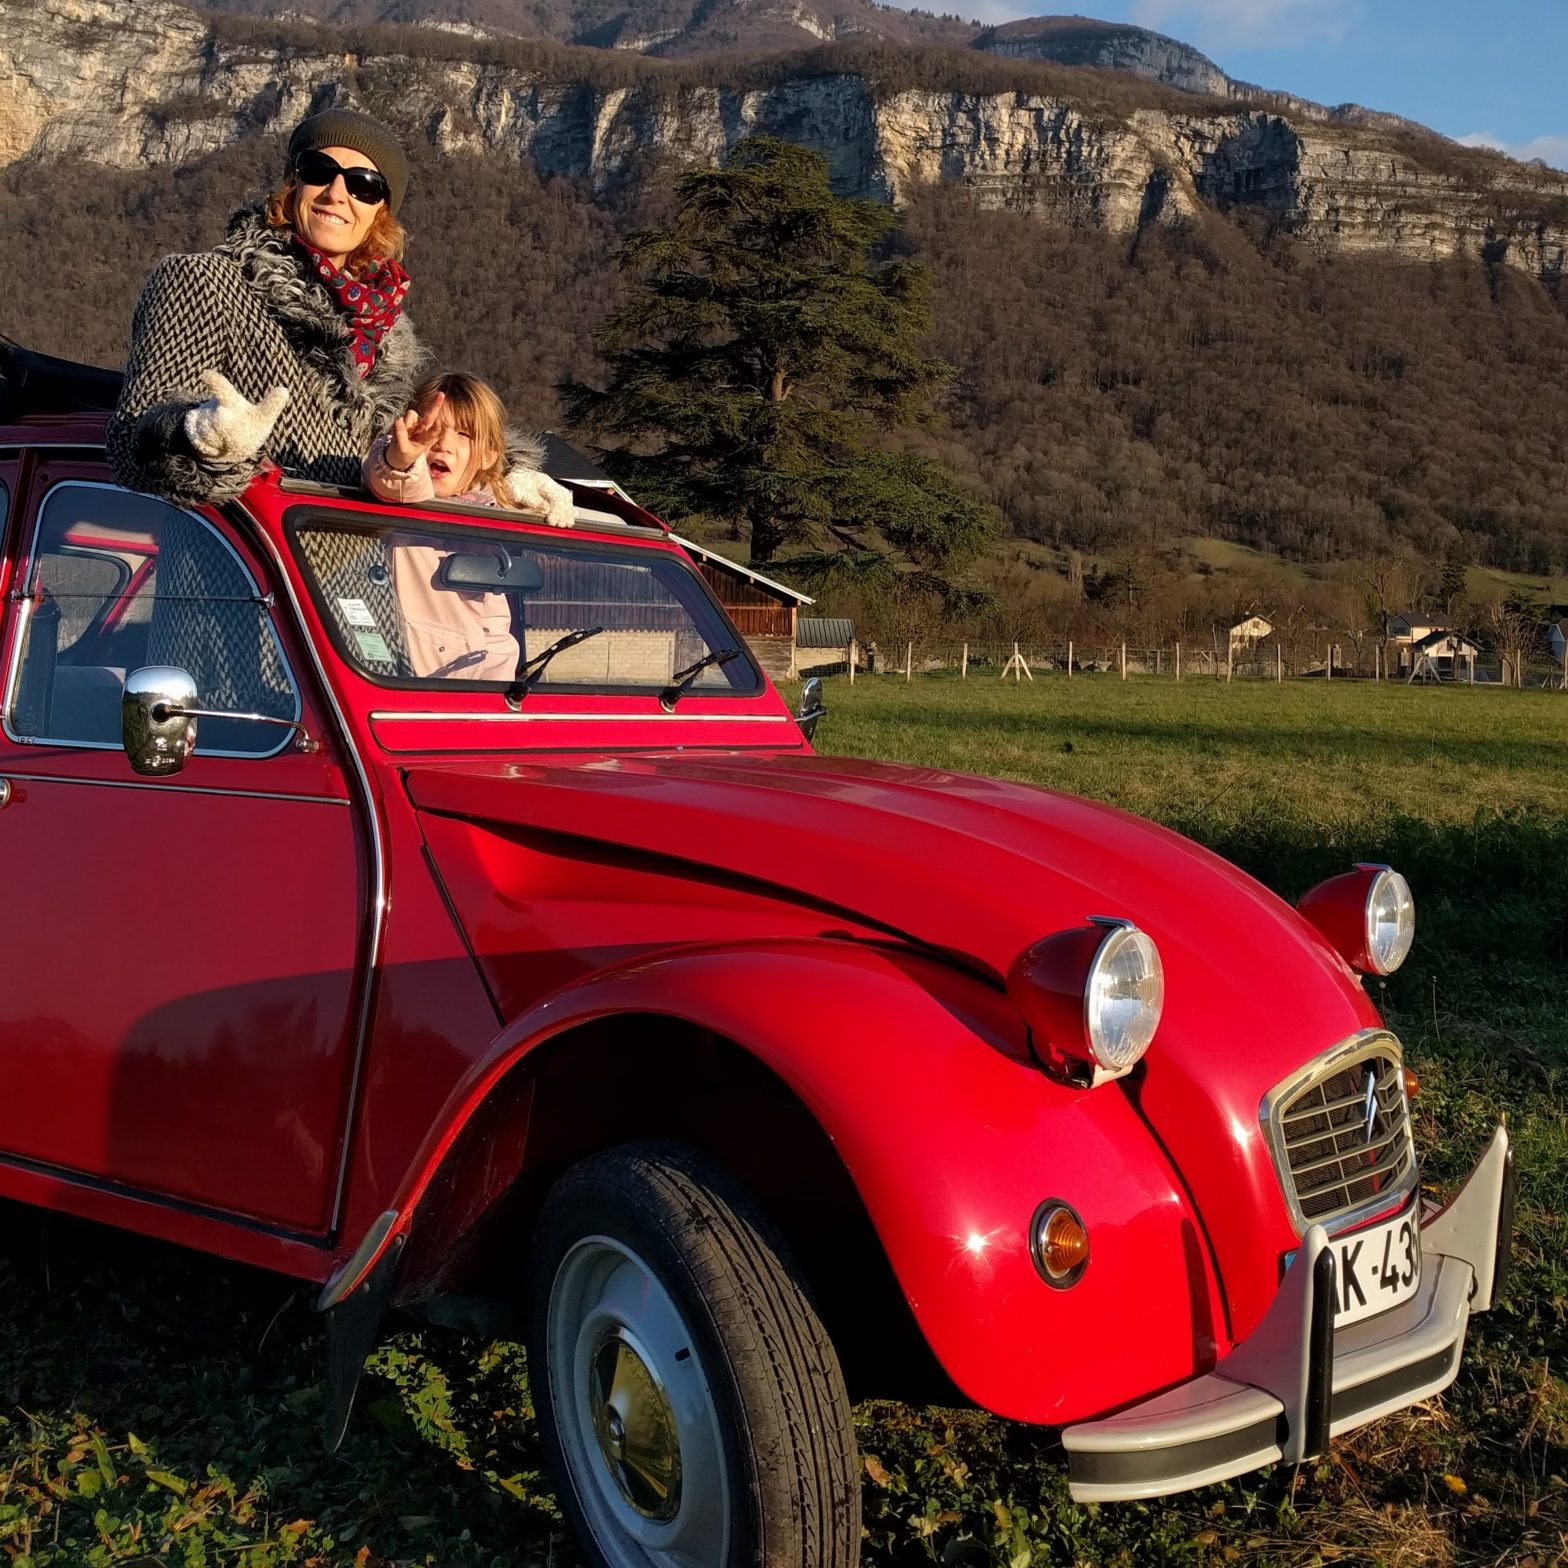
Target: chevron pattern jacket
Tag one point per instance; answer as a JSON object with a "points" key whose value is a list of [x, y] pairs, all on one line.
{"points": [[251, 309]]}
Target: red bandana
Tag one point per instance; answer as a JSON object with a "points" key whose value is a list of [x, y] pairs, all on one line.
{"points": [[371, 304]]}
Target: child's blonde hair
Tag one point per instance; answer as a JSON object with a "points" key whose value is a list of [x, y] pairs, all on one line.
{"points": [[476, 411]]}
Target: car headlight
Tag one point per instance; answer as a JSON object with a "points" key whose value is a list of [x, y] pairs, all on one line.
{"points": [[1391, 920], [1367, 916], [1124, 997], [1092, 998]]}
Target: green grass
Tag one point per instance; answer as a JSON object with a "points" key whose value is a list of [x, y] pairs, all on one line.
{"points": [[160, 1408]]}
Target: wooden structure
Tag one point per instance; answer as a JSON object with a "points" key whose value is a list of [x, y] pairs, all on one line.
{"points": [[764, 611], [1440, 655]]}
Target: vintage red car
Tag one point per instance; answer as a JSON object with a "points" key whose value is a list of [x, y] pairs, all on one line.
{"points": [[592, 998]]}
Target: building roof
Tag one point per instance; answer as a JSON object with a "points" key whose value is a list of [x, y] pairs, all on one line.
{"points": [[563, 461], [824, 631], [1442, 634], [725, 564]]}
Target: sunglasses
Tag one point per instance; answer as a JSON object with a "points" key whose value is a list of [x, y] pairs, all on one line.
{"points": [[367, 186]]}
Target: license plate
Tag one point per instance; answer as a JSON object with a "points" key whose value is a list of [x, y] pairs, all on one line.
{"points": [[1376, 1268]]}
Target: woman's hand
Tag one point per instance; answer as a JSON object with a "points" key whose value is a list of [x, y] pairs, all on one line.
{"points": [[413, 436], [228, 427]]}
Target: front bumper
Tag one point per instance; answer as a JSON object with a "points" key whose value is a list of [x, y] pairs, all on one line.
{"points": [[1294, 1383]]}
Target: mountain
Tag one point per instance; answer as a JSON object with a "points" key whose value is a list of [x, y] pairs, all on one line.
{"points": [[1175, 313]]}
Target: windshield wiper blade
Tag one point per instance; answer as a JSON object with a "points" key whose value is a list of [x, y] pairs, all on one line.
{"points": [[529, 670], [678, 687]]}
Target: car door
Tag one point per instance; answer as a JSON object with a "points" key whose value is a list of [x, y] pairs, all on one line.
{"points": [[178, 954]]}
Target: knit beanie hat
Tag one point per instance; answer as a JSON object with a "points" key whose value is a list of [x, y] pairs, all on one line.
{"points": [[348, 128]]}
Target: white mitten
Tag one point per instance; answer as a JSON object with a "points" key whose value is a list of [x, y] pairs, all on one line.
{"points": [[537, 492], [228, 427]]}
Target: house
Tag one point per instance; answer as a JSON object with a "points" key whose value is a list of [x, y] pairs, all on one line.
{"points": [[764, 611], [1244, 635], [1410, 626], [1557, 638], [1440, 655]]}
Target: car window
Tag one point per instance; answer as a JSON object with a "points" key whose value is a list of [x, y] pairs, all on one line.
{"points": [[418, 608], [117, 581]]}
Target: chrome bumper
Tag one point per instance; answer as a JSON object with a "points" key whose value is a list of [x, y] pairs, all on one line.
{"points": [[1294, 1383]]}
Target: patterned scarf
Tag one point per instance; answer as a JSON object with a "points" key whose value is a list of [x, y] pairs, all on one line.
{"points": [[371, 304]]}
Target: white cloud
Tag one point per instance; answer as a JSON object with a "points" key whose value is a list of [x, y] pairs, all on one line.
{"points": [[1549, 149], [1254, 24]]}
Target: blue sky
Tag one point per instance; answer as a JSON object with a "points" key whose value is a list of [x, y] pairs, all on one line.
{"points": [[1482, 70]]}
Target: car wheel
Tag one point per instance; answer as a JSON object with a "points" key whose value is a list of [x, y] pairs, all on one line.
{"points": [[688, 1397]]}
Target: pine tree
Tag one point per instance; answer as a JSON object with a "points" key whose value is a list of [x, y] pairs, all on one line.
{"points": [[759, 356]]}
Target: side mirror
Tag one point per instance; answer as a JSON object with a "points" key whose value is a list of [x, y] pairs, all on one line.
{"points": [[812, 709], [156, 727]]}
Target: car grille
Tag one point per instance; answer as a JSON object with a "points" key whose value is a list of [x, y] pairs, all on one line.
{"points": [[1332, 1161]]}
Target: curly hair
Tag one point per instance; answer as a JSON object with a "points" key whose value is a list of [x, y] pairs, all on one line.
{"points": [[387, 237]]}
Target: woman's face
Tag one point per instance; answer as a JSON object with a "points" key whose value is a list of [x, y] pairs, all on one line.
{"points": [[328, 217], [455, 459]]}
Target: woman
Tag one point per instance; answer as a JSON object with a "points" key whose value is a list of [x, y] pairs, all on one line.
{"points": [[287, 343]]}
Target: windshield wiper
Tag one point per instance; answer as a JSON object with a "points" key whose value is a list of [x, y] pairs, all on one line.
{"points": [[678, 687], [529, 670]]}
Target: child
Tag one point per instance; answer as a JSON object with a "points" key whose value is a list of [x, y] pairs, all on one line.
{"points": [[452, 445]]}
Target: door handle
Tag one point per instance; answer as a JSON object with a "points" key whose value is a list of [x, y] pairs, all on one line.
{"points": [[7, 794]]}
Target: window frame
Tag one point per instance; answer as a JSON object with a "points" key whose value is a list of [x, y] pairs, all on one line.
{"points": [[304, 517], [26, 599]]}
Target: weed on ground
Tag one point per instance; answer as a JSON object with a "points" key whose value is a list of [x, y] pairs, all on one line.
{"points": [[160, 1408]]}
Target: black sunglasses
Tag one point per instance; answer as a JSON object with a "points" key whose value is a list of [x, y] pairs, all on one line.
{"points": [[367, 186]]}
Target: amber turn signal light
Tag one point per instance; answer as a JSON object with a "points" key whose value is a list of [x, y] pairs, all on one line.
{"points": [[1412, 1083], [1060, 1244]]}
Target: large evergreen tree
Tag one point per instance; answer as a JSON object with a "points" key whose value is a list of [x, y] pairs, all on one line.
{"points": [[757, 360]]}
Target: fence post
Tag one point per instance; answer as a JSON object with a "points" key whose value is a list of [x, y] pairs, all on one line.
{"points": [[1124, 661], [1158, 659], [1279, 664], [963, 669], [1230, 661], [853, 652], [1328, 664], [1178, 664], [1069, 659], [1377, 662], [909, 660]]}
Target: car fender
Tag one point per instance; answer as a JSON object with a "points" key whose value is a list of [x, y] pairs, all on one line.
{"points": [[953, 1137]]}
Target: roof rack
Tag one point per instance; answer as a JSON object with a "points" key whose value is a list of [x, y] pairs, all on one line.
{"points": [[34, 383]]}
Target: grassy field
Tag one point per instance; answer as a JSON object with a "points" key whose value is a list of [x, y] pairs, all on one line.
{"points": [[157, 1408]]}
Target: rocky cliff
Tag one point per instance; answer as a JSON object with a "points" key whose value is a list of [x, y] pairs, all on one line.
{"points": [[131, 82]]}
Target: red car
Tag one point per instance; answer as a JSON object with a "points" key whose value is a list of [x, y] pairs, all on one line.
{"points": [[592, 999]]}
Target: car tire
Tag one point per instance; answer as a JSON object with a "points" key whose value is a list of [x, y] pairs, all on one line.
{"points": [[689, 1401]]}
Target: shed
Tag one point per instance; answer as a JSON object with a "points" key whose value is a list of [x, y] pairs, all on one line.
{"points": [[1440, 654], [763, 610], [1557, 637]]}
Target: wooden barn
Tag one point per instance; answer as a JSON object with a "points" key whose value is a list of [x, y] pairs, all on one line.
{"points": [[764, 611]]}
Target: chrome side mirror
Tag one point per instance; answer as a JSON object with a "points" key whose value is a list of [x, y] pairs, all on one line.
{"points": [[156, 727], [812, 708]]}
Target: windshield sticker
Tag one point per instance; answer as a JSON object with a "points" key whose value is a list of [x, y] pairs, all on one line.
{"points": [[372, 646], [356, 612]]}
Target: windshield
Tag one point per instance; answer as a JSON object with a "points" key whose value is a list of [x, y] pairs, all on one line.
{"points": [[429, 606]]}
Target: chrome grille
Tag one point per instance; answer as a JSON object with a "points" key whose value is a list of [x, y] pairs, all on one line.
{"points": [[1341, 1133]]}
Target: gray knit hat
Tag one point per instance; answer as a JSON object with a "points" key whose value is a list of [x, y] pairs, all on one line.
{"points": [[349, 128]]}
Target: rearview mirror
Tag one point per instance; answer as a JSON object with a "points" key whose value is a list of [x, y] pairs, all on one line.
{"points": [[488, 571], [158, 734], [812, 709]]}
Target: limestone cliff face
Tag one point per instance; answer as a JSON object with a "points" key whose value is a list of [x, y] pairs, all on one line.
{"points": [[132, 82]]}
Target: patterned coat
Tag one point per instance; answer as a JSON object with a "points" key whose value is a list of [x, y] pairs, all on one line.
{"points": [[251, 309]]}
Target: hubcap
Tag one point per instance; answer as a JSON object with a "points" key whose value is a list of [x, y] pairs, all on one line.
{"points": [[636, 1416], [635, 1427]]}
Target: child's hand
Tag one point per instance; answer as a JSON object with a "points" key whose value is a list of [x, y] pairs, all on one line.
{"points": [[414, 434]]}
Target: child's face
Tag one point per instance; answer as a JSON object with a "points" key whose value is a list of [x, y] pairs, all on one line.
{"points": [[456, 458]]}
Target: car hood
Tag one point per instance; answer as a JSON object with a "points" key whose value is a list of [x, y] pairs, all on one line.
{"points": [[979, 868]]}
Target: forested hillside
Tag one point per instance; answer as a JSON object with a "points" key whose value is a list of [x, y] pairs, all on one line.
{"points": [[1209, 378]]}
